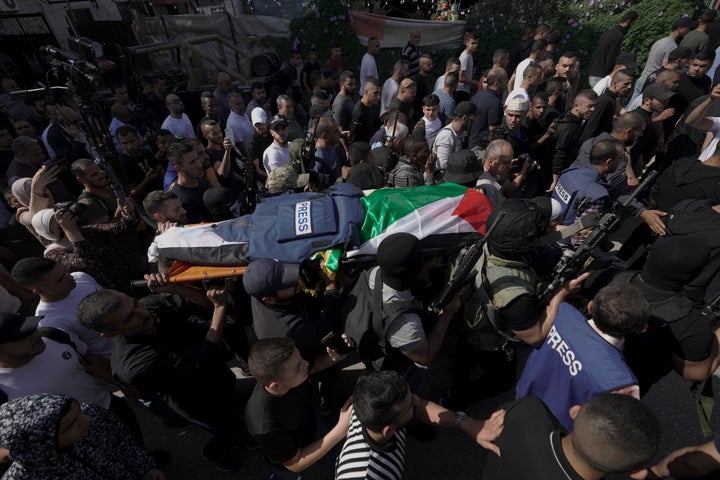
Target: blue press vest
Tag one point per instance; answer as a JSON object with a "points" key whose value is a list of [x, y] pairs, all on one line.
{"points": [[291, 227], [573, 365], [574, 185]]}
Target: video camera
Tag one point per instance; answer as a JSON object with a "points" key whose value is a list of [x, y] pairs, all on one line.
{"points": [[72, 69], [75, 208]]}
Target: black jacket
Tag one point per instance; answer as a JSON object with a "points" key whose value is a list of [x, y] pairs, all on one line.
{"points": [[606, 52], [567, 141], [601, 119], [687, 178]]}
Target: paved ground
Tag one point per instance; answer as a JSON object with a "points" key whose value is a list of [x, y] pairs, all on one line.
{"points": [[450, 456]]}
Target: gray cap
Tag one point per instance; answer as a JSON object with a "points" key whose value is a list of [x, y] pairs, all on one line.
{"points": [[658, 91]]}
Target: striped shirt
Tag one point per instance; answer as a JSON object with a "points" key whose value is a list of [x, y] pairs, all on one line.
{"points": [[362, 458]]}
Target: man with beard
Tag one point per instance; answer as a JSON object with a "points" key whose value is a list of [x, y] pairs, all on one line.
{"points": [[220, 156], [167, 210], [259, 97], [177, 122], [191, 183], [98, 198], [344, 102], [449, 138], [278, 153]]}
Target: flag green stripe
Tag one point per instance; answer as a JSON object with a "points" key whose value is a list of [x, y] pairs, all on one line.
{"points": [[388, 205]]}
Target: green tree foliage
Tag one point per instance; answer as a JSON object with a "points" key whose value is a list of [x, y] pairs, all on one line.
{"points": [[500, 22], [582, 23], [322, 23]]}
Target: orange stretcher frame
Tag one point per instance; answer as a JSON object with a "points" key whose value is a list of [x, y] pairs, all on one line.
{"points": [[181, 272]]}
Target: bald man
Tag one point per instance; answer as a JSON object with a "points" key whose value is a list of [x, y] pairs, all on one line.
{"points": [[224, 85]]}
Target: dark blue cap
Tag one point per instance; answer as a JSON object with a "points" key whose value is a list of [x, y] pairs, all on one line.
{"points": [[265, 276]]}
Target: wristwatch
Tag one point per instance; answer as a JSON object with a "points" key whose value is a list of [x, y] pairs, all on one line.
{"points": [[459, 417]]}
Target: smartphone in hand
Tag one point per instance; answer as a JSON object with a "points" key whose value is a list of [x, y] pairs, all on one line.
{"points": [[335, 342]]}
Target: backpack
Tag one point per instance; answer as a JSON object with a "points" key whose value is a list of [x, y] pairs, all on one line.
{"points": [[480, 324], [367, 319]]}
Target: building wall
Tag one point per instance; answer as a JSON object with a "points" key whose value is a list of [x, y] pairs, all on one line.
{"points": [[56, 15]]}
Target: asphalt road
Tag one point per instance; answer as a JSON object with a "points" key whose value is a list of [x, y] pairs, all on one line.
{"points": [[449, 456]]}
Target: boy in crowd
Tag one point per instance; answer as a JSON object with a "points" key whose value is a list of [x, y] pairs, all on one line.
{"points": [[280, 414]]}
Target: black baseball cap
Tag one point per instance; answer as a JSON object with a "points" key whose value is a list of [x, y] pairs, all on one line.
{"points": [[14, 326]]}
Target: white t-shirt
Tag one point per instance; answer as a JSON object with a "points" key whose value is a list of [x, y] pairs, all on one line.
{"points": [[179, 126], [439, 83], [712, 146], [275, 156], [389, 92], [61, 315], [603, 84], [368, 68], [56, 369], [240, 126], [466, 65], [519, 73], [431, 129]]}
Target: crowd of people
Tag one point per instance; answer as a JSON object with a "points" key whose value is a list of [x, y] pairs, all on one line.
{"points": [[552, 155]]}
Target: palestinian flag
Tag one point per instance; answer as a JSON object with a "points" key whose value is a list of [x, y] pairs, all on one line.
{"points": [[447, 209]]}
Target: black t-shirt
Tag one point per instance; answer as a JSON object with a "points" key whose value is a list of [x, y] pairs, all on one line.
{"points": [[366, 176], [422, 90], [365, 121], [307, 69], [136, 167], [179, 363], [303, 320], [192, 201], [231, 182], [530, 445], [281, 425], [691, 88]]}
